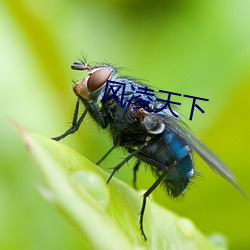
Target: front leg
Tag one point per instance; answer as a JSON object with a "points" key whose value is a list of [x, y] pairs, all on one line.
{"points": [[97, 114], [75, 124]]}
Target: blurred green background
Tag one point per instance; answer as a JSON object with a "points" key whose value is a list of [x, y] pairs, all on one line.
{"points": [[199, 48]]}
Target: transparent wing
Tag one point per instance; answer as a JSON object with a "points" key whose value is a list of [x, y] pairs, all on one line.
{"points": [[212, 160], [206, 154]]}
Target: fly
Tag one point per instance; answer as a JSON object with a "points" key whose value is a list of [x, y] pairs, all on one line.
{"points": [[161, 140]]}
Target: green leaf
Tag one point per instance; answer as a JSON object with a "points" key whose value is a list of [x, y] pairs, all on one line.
{"points": [[107, 215]]}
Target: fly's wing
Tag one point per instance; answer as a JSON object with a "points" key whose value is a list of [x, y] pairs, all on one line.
{"points": [[206, 154], [212, 160]]}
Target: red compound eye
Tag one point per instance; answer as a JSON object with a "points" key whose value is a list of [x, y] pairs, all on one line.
{"points": [[97, 79]]}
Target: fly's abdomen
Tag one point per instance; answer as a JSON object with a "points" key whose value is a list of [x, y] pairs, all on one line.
{"points": [[178, 176], [170, 155], [180, 166]]}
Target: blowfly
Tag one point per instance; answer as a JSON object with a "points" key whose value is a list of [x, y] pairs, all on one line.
{"points": [[159, 139]]}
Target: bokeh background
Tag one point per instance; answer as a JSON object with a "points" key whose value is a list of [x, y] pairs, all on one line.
{"points": [[199, 48]]}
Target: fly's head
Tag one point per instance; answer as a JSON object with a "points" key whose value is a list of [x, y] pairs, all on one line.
{"points": [[94, 80]]}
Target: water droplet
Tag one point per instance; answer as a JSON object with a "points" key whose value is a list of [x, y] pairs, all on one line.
{"points": [[186, 226], [94, 185]]}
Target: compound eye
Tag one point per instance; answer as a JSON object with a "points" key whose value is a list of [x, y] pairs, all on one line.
{"points": [[97, 79]]}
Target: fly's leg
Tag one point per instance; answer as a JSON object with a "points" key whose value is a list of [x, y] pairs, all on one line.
{"points": [[97, 114], [124, 161], [105, 155], [136, 167], [94, 110], [75, 124], [145, 196]]}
